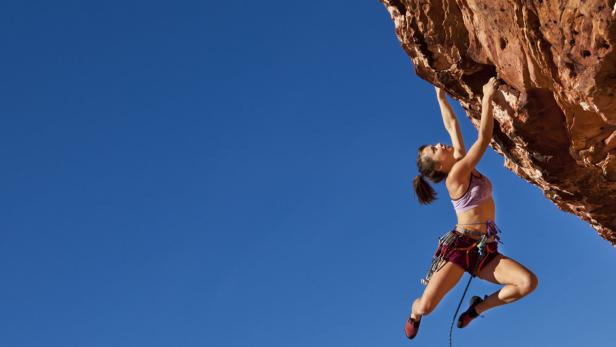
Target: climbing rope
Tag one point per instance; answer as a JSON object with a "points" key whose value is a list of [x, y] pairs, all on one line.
{"points": [[491, 230], [481, 248], [445, 247]]}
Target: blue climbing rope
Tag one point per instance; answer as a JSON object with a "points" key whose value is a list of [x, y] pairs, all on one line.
{"points": [[481, 248]]}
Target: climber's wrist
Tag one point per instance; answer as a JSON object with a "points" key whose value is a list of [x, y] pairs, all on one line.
{"points": [[488, 96], [440, 94]]}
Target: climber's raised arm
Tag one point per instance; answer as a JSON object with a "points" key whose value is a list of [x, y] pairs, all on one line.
{"points": [[451, 124], [466, 165]]}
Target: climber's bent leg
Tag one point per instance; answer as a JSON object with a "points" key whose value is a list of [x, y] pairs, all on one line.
{"points": [[518, 282]]}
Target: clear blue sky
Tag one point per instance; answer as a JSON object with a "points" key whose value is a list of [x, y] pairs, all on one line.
{"points": [[239, 174]]}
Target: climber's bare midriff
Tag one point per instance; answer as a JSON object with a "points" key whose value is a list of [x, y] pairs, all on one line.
{"points": [[480, 214]]}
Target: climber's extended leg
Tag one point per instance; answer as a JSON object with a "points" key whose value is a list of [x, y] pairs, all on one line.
{"points": [[440, 283]]}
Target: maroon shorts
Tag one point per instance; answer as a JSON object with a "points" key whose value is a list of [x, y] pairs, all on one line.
{"points": [[464, 252]]}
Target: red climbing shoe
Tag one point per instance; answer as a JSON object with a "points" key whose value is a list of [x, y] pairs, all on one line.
{"points": [[411, 327], [470, 314]]}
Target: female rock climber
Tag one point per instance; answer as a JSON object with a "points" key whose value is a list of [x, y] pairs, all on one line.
{"points": [[471, 195]]}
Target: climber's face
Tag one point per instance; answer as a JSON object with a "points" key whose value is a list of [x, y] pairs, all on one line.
{"points": [[441, 154]]}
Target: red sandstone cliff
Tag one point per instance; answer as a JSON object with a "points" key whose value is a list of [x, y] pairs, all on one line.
{"points": [[556, 111]]}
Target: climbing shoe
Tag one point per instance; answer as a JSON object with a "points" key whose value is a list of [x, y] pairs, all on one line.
{"points": [[411, 327], [470, 314]]}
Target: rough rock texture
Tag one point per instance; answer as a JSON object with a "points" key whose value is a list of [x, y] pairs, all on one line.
{"points": [[556, 111]]}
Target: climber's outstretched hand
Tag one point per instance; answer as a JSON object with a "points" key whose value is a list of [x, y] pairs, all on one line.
{"points": [[490, 87], [439, 92]]}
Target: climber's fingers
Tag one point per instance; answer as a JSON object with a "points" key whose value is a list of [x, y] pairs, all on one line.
{"points": [[490, 86]]}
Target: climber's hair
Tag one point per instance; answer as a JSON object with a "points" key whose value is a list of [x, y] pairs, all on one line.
{"points": [[427, 169]]}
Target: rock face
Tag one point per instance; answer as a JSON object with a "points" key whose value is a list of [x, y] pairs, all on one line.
{"points": [[556, 108]]}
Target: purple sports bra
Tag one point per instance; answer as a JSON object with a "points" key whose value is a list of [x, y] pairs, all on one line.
{"points": [[479, 189]]}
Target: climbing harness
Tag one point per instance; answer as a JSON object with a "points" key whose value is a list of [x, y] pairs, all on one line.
{"points": [[447, 243]]}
